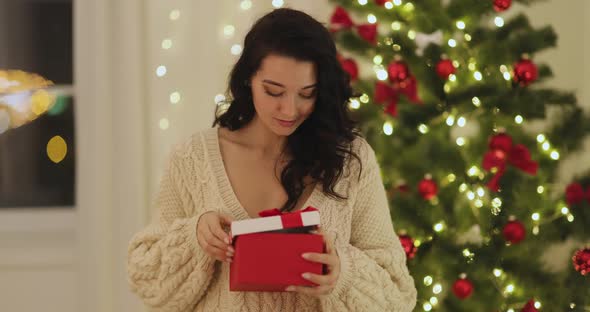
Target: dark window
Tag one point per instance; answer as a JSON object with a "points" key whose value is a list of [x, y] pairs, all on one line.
{"points": [[36, 37]]}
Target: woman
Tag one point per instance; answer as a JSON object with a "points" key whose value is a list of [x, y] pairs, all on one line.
{"points": [[285, 141]]}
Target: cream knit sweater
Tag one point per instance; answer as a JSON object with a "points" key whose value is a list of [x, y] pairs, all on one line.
{"points": [[168, 270]]}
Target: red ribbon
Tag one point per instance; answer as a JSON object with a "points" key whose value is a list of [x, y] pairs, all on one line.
{"points": [[386, 93], [500, 155], [289, 219], [340, 20]]}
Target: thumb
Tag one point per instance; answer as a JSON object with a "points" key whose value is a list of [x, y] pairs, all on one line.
{"points": [[225, 218]]}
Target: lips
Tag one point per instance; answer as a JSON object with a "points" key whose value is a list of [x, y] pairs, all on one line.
{"points": [[286, 123]]}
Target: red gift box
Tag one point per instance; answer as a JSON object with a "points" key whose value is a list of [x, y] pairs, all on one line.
{"points": [[271, 261]]}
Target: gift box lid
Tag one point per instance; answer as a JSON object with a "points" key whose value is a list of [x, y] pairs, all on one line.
{"points": [[274, 219]]}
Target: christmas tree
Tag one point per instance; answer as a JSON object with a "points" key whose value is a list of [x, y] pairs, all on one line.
{"points": [[451, 91]]}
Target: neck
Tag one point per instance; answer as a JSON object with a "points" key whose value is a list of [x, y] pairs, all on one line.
{"points": [[262, 139]]}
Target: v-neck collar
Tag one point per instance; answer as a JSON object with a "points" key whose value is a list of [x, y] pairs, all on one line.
{"points": [[226, 190]]}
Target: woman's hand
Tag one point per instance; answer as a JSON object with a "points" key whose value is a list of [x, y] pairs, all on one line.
{"points": [[325, 282], [211, 236]]}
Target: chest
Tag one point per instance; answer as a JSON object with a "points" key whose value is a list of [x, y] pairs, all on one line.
{"points": [[256, 184]]}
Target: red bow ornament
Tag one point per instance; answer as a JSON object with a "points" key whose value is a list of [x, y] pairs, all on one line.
{"points": [[289, 219], [385, 93], [340, 20], [502, 152]]}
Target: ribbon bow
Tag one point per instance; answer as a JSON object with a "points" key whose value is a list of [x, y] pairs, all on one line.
{"points": [[423, 40], [390, 94], [289, 219], [340, 20], [501, 153]]}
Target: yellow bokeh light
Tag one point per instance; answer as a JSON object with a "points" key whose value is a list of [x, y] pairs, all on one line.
{"points": [[57, 149]]}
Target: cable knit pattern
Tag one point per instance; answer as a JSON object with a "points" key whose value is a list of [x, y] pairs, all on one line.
{"points": [[169, 271]]}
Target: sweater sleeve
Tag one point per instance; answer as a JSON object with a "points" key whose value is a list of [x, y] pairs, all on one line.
{"points": [[166, 266], [373, 274]]}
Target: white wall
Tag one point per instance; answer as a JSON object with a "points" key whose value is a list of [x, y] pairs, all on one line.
{"points": [[74, 261]]}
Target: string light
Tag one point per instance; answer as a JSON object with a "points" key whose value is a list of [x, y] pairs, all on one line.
{"points": [[397, 2], [461, 122], [166, 44], [362, 2], [236, 49], [497, 272], [477, 75], [371, 18], [387, 128], [388, 5], [460, 141], [499, 21], [452, 77], [174, 97], [377, 59], [540, 189], [546, 146], [277, 3], [509, 289], [507, 76], [541, 138], [381, 74], [554, 155], [518, 119], [433, 301], [437, 289], [219, 98], [161, 71], [164, 123], [354, 104], [450, 120], [246, 5], [427, 306], [467, 37], [409, 6], [476, 102], [428, 280], [229, 30], [396, 25], [411, 34], [565, 210], [452, 43], [460, 25], [423, 128], [570, 217], [174, 15], [439, 227], [364, 98], [535, 216]]}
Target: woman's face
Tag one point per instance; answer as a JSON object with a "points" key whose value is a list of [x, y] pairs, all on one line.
{"points": [[284, 93]]}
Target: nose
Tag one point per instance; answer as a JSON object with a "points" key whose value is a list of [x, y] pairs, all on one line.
{"points": [[288, 107]]}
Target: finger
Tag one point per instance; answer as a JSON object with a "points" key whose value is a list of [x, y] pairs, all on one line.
{"points": [[213, 240], [220, 233], [320, 258], [216, 253], [316, 291], [326, 280], [225, 218]]}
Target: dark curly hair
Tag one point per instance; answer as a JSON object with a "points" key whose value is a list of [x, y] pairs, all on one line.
{"points": [[321, 144]]}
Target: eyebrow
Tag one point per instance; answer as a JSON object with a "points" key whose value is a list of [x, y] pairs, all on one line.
{"points": [[281, 85]]}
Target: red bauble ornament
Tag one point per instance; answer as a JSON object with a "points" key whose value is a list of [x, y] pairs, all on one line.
{"points": [[462, 288], [502, 5], [525, 72], [445, 68], [581, 261], [408, 245], [398, 71], [381, 2], [574, 194], [427, 188], [529, 306], [514, 231], [349, 65]]}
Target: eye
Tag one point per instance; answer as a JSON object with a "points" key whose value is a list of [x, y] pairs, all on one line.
{"points": [[308, 96], [273, 94]]}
